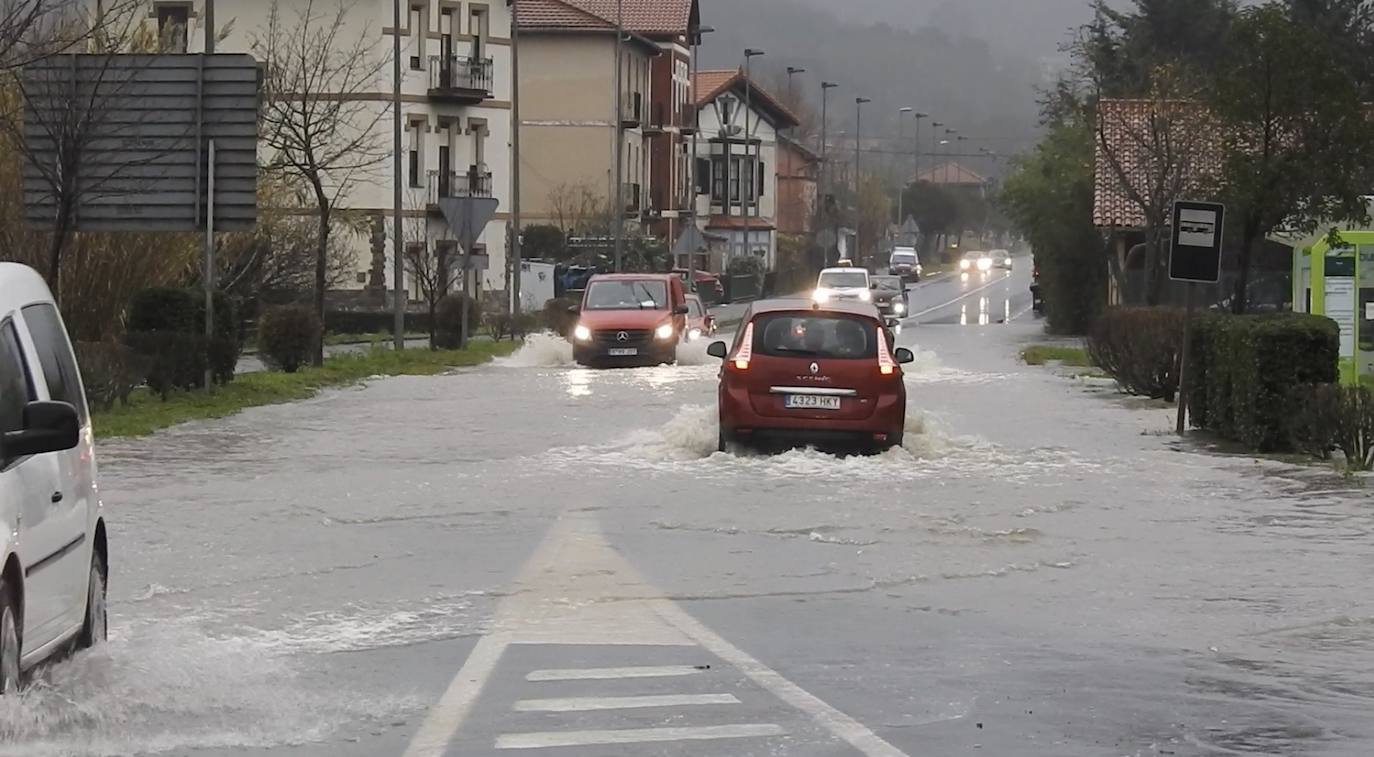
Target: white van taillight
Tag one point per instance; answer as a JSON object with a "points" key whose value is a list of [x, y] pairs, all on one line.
{"points": [[886, 365], [746, 349]]}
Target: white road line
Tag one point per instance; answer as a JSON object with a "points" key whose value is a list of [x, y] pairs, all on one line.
{"points": [[1023, 312], [588, 704], [444, 718], [543, 740], [597, 674], [963, 296], [842, 726]]}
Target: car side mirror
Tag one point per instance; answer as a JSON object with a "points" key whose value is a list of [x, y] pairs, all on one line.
{"points": [[717, 349], [48, 427], [681, 310], [904, 356], [873, 285]]}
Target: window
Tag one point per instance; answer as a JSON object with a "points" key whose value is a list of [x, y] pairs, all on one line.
{"points": [[55, 356], [761, 183], [15, 391], [694, 308], [824, 336], [172, 27]]}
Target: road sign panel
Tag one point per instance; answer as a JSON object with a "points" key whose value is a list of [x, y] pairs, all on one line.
{"points": [[1195, 254]]}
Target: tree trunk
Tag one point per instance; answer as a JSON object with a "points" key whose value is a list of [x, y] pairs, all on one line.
{"points": [[60, 233], [1240, 299], [1152, 266], [321, 266], [432, 309]]}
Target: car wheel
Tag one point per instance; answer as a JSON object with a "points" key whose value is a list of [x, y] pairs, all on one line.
{"points": [[723, 441], [895, 440], [9, 641], [95, 629]]}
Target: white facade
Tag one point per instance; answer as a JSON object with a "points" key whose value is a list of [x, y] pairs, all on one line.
{"points": [[751, 166], [472, 134]]}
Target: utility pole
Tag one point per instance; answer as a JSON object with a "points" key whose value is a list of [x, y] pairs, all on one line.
{"points": [[791, 95], [858, 181], [826, 86], [751, 202], [618, 217], [916, 142], [398, 291], [692, 164], [901, 190], [209, 217], [515, 239]]}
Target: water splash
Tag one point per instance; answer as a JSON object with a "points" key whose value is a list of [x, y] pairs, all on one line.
{"points": [[542, 350]]}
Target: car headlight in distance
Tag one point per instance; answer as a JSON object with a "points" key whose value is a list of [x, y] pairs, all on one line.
{"points": [[964, 264], [866, 295], [665, 331], [898, 307], [582, 333], [693, 335], [1008, 261], [984, 263]]}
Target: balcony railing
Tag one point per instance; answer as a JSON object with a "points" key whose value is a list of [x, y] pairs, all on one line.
{"points": [[460, 78], [689, 119], [658, 119], [475, 182], [632, 110]]}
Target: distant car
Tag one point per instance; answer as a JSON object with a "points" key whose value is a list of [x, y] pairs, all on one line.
{"points": [[975, 260], [52, 526], [1001, 259], [905, 263], [708, 285], [839, 284], [630, 319], [700, 322], [889, 296], [805, 373]]}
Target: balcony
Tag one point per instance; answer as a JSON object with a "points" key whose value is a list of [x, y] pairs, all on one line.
{"points": [[689, 120], [475, 182], [459, 79], [632, 111], [633, 199], [658, 120]]}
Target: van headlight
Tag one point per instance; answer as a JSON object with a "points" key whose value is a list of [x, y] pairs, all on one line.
{"points": [[898, 307], [664, 332], [582, 333], [693, 335], [865, 295], [964, 264], [821, 295]]}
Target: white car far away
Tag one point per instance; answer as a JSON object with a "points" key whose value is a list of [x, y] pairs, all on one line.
{"points": [[53, 556], [843, 284]]}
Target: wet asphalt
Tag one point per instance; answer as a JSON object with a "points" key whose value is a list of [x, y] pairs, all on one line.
{"points": [[1042, 570]]}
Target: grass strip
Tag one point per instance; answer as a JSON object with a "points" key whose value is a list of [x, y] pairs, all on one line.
{"points": [[1040, 354]]}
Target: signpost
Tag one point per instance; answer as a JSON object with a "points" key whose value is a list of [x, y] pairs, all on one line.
{"points": [[1194, 258]]}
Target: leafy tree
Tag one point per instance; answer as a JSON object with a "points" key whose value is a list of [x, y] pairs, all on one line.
{"points": [[1120, 49], [1297, 148], [936, 210]]}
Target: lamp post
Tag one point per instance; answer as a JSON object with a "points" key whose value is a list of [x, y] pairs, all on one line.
{"points": [[949, 137], [934, 148], [858, 166], [692, 164], [619, 215], [750, 202], [826, 86], [901, 190], [791, 94], [916, 143]]}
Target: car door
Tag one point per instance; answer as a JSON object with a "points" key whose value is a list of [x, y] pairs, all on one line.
{"points": [[72, 502], [34, 480]]}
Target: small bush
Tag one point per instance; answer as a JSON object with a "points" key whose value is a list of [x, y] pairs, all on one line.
{"points": [[557, 316], [1329, 416], [164, 309], [372, 322], [1246, 369], [448, 321], [109, 371], [174, 360], [287, 335], [746, 265], [1139, 347], [502, 325]]}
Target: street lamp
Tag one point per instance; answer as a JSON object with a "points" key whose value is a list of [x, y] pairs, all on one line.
{"points": [[696, 34], [858, 166], [826, 86], [916, 142], [750, 201], [901, 190], [792, 71]]}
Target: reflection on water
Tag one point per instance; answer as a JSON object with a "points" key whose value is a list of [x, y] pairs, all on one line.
{"points": [[578, 383]]}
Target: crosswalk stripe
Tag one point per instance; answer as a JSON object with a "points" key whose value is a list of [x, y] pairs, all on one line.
{"points": [[592, 674], [547, 739], [584, 704]]}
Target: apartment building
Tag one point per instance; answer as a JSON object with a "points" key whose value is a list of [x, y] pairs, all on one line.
{"points": [[456, 105]]}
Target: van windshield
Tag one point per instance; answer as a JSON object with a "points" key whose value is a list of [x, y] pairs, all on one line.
{"points": [[630, 294], [822, 335], [904, 257], [844, 279]]}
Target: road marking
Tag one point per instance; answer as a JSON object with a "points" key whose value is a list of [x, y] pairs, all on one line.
{"points": [[444, 719], [594, 674], [588, 704], [548, 739], [837, 723], [1023, 312], [963, 296]]}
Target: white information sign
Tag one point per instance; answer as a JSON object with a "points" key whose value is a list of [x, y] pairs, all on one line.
{"points": [[1340, 307]]}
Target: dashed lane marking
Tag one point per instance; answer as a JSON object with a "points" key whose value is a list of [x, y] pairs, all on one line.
{"points": [[589, 704], [597, 674], [636, 736]]}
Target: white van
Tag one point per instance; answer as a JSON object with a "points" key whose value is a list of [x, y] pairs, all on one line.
{"points": [[53, 555]]}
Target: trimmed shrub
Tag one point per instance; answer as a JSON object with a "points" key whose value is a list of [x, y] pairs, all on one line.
{"points": [[502, 325], [1248, 368], [164, 310], [175, 360], [109, 371], [557, 317], [1328, 417], [372, 322], [1139, 348], [448, 320], [287, 335]]}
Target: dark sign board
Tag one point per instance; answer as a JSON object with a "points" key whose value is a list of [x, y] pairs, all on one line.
{"points": [[137, 128], [1195, 254]]}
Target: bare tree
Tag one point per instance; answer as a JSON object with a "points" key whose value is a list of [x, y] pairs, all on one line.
{"points": [[317, 120], [577, 206], [434, 266]]}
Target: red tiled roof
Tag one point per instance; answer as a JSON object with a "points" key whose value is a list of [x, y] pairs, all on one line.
{"points": [[1129, 128], [953, 174], [647, 17], [708, 85]]}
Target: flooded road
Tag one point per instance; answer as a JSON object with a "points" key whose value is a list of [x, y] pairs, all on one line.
{"points": [[1040, 570]]}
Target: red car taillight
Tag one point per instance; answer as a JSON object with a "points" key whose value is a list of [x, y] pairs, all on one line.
{"points": [[746, 349], [886, 365]]}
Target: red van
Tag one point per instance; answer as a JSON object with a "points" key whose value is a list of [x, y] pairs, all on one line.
{"points": [[630, 319], [802, 372]]}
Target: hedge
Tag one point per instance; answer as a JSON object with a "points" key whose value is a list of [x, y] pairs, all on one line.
{"points": [[166, 327], [1139, 346], [287, 335], [372, 322], [1245, 369]]}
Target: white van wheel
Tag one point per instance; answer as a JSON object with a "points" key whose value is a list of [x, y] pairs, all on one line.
{"points": [[9, 643]]}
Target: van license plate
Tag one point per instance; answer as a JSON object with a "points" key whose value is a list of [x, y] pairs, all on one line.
{"points": [[811, 402], [622, 352]]}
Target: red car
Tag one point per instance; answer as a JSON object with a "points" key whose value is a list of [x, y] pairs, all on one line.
{"points": [[700, 322], [708, 285], [802, 372]]}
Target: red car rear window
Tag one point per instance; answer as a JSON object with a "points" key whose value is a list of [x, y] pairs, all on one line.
{"points": [[833, 336]]}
